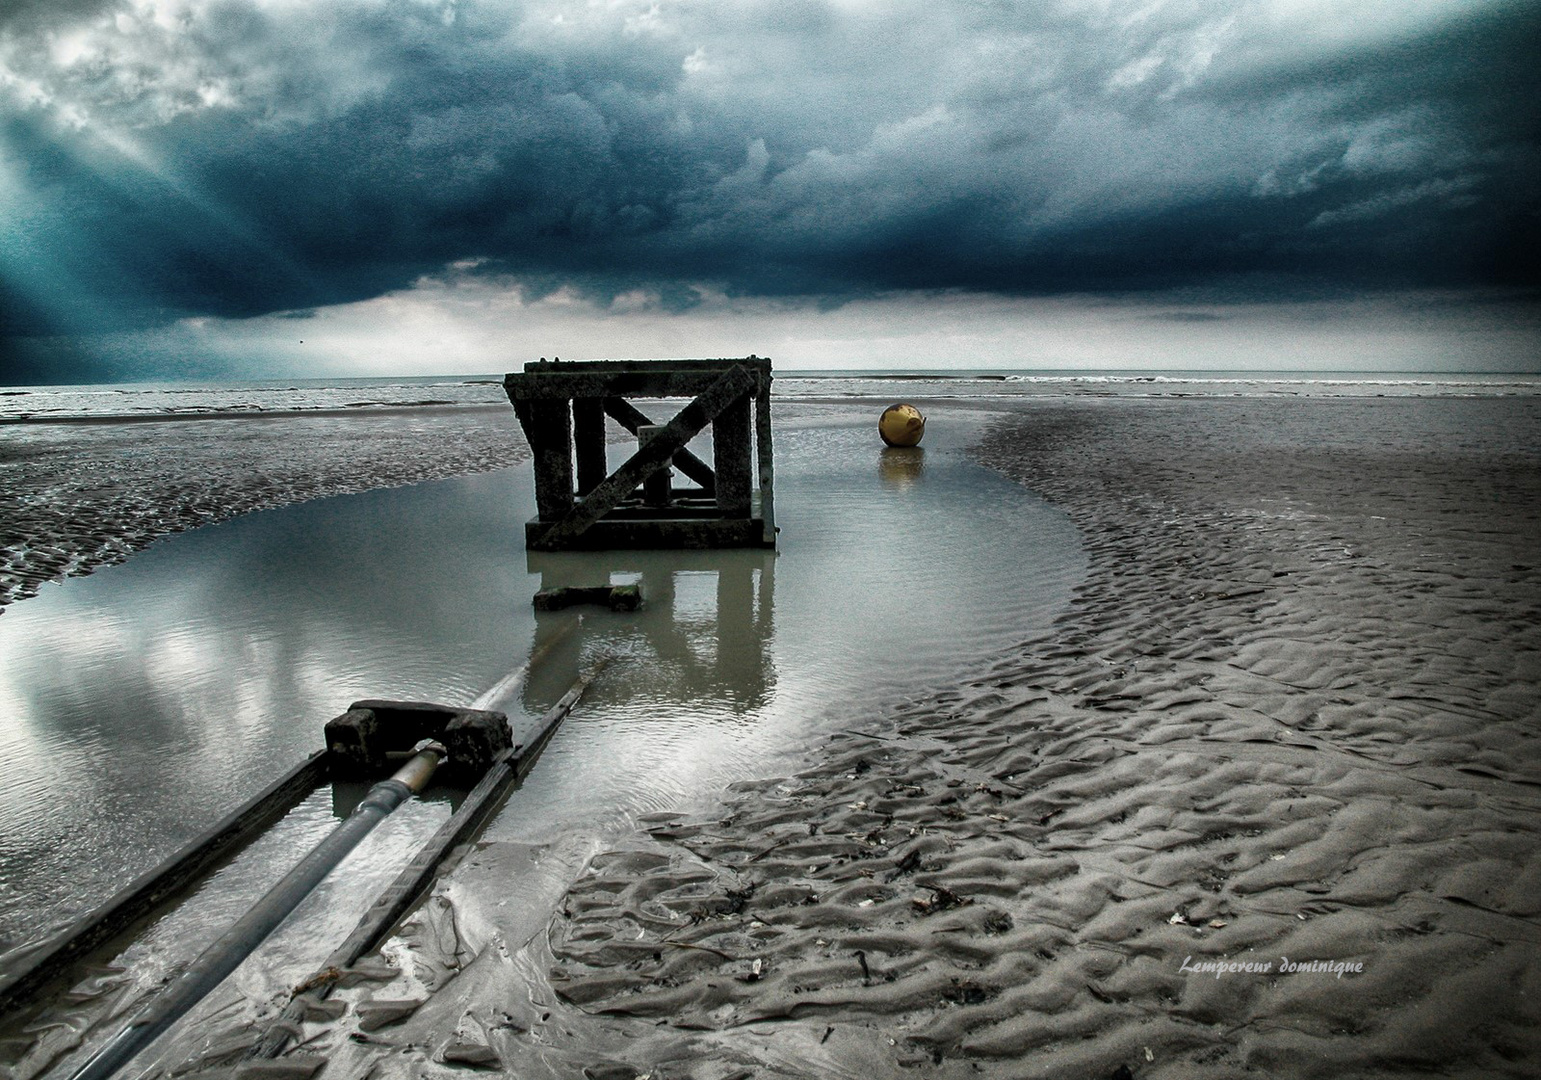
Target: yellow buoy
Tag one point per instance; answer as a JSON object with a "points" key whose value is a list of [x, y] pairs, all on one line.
{"points": [[901, 425]]}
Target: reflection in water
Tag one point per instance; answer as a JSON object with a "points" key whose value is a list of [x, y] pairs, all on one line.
{"points": [[138, 704], [877, 592], [901, 466], [703, 632]]}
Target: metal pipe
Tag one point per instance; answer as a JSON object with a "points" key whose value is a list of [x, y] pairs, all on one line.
{"points": [[226, 954], [509, 767], [174, 877]]}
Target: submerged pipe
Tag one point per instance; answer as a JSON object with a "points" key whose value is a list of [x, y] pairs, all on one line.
{"points": [[226, 954], [508, 767]]}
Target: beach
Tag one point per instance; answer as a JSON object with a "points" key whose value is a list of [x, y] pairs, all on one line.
{"points": [[1263, 800], [82, 495]]}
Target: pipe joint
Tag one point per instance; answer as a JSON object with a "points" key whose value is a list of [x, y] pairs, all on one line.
{"points": [[385, 796]]}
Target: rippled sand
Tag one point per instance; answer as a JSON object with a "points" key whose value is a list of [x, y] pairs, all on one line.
{"points": [[77, 497], [1291, 713], [1290, 716]]}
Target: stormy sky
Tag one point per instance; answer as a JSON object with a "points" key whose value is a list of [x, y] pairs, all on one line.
{"points": [[214, 188]]}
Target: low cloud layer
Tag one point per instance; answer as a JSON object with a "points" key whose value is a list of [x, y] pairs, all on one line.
{"points": [[161, 159]]}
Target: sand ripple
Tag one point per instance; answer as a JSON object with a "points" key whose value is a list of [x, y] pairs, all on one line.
{"points": [[1291, 716], [77, 497]]}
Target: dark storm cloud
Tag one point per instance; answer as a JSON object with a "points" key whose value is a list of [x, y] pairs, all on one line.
{"points": [[234, 158]]}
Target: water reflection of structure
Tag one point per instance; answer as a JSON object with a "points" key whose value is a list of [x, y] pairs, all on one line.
{"points": [[901, 466], [703, 633]]}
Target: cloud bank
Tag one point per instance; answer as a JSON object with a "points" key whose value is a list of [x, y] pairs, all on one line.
{"points": [[167, 159]]}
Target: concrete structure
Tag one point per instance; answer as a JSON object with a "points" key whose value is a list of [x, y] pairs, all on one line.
{"points": [[562, 407]]}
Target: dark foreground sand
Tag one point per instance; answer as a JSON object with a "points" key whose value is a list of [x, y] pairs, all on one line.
{"points": [[1291, 715]]}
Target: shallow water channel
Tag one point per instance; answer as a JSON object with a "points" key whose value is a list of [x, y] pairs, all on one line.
{"points": [[139, 704]]}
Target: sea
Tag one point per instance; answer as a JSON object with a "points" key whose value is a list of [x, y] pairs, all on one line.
{"points": [[158, 401]]}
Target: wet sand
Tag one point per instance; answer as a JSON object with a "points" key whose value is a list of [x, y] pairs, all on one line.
{"points": [[1290, 717], [1290, 714], [75, 497]]}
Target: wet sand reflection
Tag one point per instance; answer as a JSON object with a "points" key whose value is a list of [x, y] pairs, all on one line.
{"points": [[704, 630]]}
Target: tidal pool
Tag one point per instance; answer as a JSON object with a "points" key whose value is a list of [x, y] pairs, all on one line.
{"points": [[140, 703]]}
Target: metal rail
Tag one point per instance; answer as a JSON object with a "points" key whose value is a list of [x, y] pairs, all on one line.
{"points": [[171, 878], [226, 954], [507, 769]]}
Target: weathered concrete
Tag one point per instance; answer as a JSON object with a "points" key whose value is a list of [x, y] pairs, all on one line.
{"points": [[614, 597], [562, 406], [732, 458], [363, 738]]}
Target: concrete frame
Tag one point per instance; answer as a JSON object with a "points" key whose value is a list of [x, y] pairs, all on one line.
{"points": [[562, 407]]}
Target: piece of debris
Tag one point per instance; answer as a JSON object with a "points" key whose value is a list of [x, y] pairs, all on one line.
{"points": [[476, 1055], [698, 948], [299, 1067], [376, 1014], [866, 973], [321, 1009], [911, 861], [320, 978], [367, 970], [941, 899], [998, 922], [613, 1071], [614, 597], [966, 993]]}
